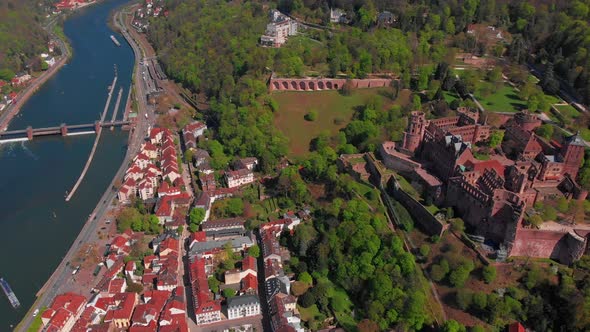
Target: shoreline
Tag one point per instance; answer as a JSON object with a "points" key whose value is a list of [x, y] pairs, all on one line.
{"points": [[30, 90], [7, 117], [90, 226]]}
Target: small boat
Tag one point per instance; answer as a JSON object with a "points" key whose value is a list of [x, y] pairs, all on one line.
{"points": [[9, 293], [54, 215], [115, 40]]}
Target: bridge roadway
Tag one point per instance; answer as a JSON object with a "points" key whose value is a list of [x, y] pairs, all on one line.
{"points": [[63, 130]]}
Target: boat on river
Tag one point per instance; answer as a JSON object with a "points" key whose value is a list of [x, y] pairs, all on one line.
{"points": [[9, 293], [115, 40]]}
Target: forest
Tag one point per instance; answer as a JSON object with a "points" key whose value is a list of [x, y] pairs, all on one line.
{"points": [[348, 254], [21, 36]]}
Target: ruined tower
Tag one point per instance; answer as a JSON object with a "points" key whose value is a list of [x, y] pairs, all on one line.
{"points": [[414, 134], [573, 154]]}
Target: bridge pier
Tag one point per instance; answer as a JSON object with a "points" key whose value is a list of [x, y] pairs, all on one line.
{"points": [[97, 127], [63, 129], [30, 133]]}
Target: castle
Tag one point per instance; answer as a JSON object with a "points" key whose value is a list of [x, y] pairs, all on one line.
{"points": [[494, 196]]}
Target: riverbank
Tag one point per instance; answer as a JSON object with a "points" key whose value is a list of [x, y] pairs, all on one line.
{"points": [[30, 90], [61, 279]]}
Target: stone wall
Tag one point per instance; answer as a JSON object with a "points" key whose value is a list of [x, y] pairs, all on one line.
{"points": [[565, 247], [320, 84], [422, 217]]}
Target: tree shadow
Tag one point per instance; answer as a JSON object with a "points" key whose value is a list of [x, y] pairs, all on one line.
{"points": [[512, 96]]}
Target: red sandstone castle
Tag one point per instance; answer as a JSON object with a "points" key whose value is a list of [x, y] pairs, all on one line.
{"points": [[494, 196]]}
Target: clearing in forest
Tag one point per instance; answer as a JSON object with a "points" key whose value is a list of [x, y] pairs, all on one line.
{"points": [[334, 111]]}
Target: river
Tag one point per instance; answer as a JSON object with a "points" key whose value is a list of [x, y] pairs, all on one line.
{"points": [[36, 223]]}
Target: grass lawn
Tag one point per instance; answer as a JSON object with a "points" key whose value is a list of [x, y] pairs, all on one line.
{"points": [[450, 96], [310, 313], [503, 100], [333, 109], [567, 111], [36, 324]]}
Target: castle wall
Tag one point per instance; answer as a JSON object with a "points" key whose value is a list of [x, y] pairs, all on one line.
{"points": [[422, 217], [564, 247], [396, 160]]}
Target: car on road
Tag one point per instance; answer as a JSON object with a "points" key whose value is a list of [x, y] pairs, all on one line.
{"points": [[76, 270], [35, 313]]}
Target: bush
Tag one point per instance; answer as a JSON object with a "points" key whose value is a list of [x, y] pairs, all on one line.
{"points": [[439, 271], [489, 274], [306, 278], [480, 301], [424, 250], [459, 276], [311, 116], [457, 225]]}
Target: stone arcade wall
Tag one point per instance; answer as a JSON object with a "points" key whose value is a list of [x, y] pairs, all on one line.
{"points": [[320, 84]]}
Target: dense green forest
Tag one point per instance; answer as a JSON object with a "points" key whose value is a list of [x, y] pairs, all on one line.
{"points": [[21, 35]]}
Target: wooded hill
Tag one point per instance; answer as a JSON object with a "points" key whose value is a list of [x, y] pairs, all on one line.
{"points": [[21, 35]]}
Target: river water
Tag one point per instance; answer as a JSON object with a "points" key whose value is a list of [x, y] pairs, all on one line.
{"points": [[36, 224]]}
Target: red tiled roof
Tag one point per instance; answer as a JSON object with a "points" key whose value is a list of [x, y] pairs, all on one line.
{"points": [[249, 263], [516, 327], [249, 282], [480, 166], [198, 237]]}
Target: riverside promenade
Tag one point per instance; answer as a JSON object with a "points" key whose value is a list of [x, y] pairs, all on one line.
{"points": [[89, 231]]}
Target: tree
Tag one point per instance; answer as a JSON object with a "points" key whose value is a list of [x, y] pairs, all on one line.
{"points": [[188, 156], [463, 298], [311, 115], [306, 278], [254, 251], [197, 215], [488, 273], [452, 325], [549, 213], [424, 250], [480, 301], [535, 220], [549, 82], [229, 293], [6, 74], [439, 271], [213, 284], [307, 300], [562, 205], [496, 138], [127, 218], [416, 102], [459, 275], [545, 131]]}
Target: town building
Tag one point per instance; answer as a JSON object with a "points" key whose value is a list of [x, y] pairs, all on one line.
{"points": [[239, 178], [278, 30], [63, 312], [243, 306]]}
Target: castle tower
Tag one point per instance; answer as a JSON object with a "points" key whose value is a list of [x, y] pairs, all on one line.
{"points": [[415, 133], [573, 154]]}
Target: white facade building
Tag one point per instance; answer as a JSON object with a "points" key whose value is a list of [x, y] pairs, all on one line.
{"points": [[243, 306]]}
